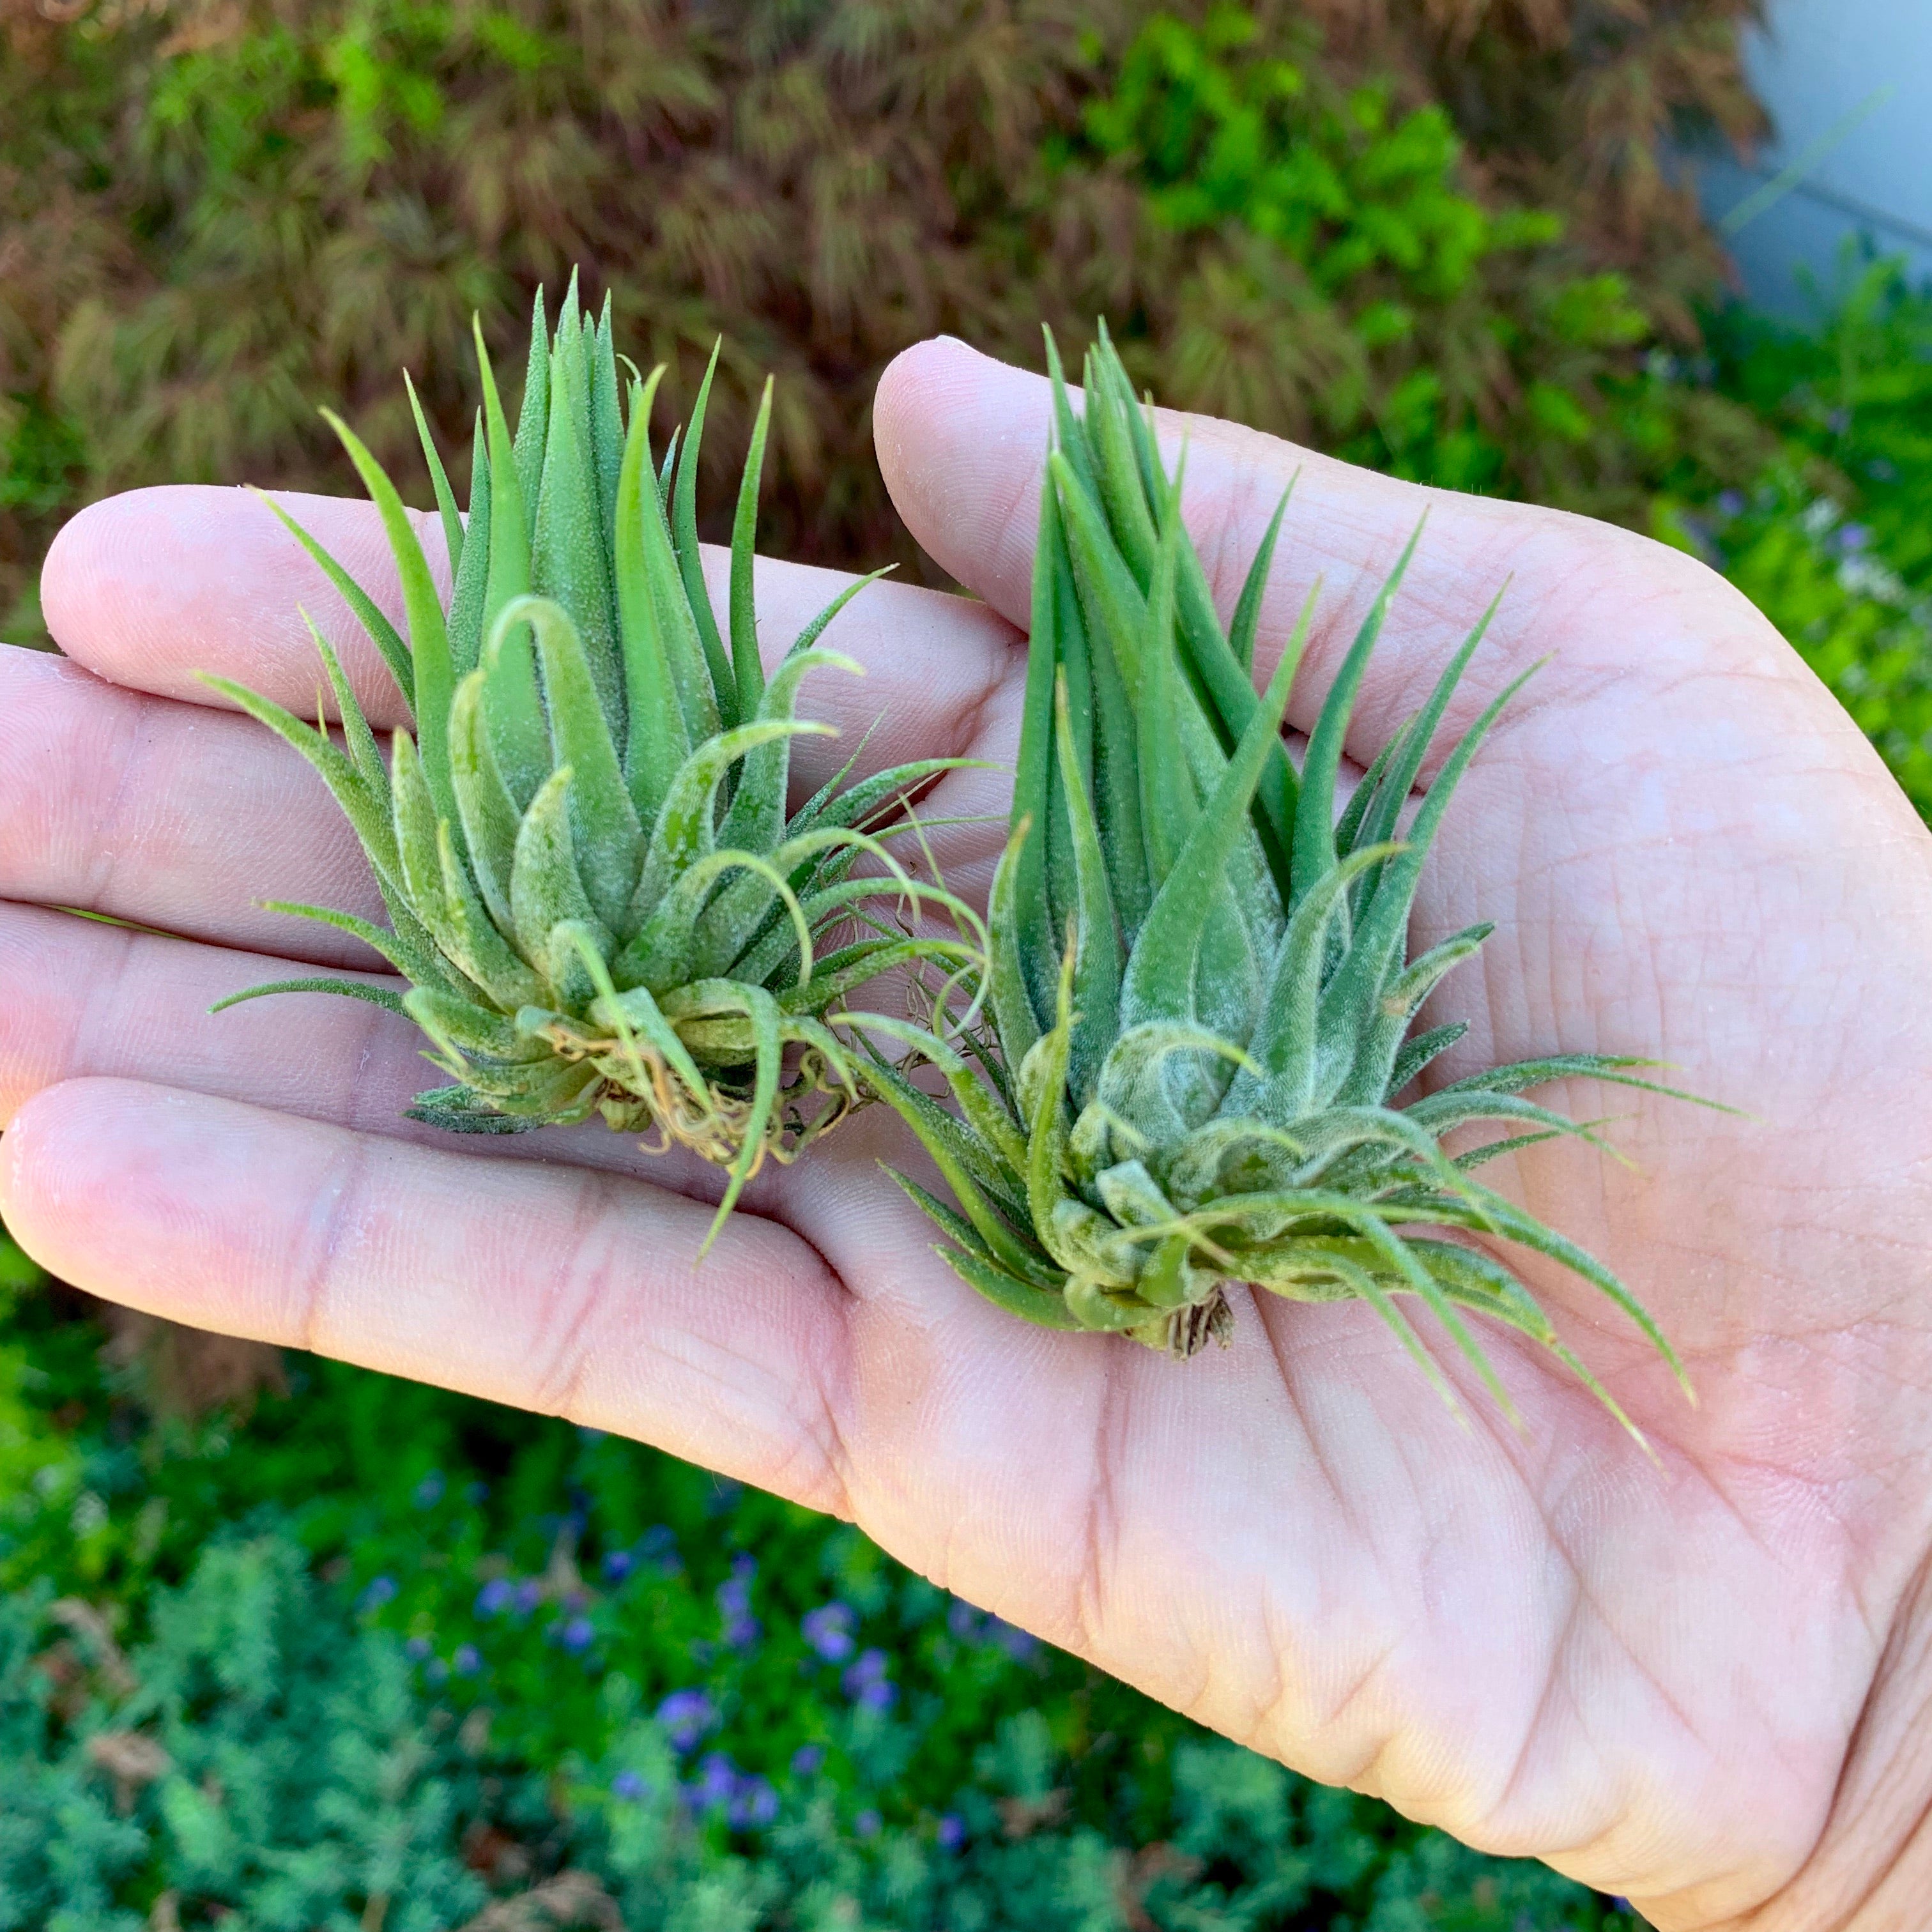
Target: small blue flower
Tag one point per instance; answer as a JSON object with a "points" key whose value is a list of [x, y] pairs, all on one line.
{"points": [[526, 1596], [466, 1659], [1021, 1646], [618, 1564], [630, 1784], [828, 1629], [741, 1633], [1853, 538], [734, 1597], [754, 1803], [657, 1542], [806, 1760], [380, 1590], [867, 1823], [418, 1648], [576, 1633], [952, 1831], [867, 1682], [429, 1491], [1731, 502], [436, 1671], [963, 1620], [716, 1782], [495, 1596], [685, 1716]]}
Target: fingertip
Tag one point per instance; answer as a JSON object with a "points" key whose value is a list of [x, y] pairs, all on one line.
{"points": [[149, 588], [961, 436]]}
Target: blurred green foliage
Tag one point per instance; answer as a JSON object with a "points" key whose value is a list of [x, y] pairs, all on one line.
{"points": [[1834, 540], [1343, 286], [217, 215]]}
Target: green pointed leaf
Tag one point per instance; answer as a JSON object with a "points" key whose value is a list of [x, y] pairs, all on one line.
{"points": [[567, 560], [1314, 850], [609, 841], [533, 419], [1248, 611], [512, 708], [382, 633], [473, 575], [1159, 982], [429, 640], [690, 563], [546, 890], [748, 668], [607, 419], [483, 802], [445, 498]]}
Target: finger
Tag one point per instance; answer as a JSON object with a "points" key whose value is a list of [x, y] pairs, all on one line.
{"points": [[148, 589], [79, 1000], [961, 439], [168, 814], [153, 812], [553, 1288]]}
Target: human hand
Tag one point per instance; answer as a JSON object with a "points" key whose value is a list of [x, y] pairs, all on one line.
{"points": [[1695, 1683]]}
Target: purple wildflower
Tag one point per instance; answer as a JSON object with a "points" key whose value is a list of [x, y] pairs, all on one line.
{"points": [[466, 1659], [1731, 502], [526, 1596], [754, 1803], [576, 1633], [630, 1784], [867, 1823], [1021, 1646], [951, 1832], [379, 1591], [741, 1633], [1853, 538], [495, 1596], [618, 1564], [806, 1760], [962, 1619], [867, 1683], [417, 1648], [657, 1542], [685, 1716], [429, 1491], [828, 1629], [716, 1782]]}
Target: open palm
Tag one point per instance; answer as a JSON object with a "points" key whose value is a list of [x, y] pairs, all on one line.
{"points": [[1689, 1681]]}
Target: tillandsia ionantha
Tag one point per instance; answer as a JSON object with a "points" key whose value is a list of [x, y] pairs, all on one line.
{"points": [[595, 889], [1201, 1000]]}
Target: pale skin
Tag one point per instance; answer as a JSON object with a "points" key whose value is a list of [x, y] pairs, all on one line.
{"points": [[1700, 1681]]}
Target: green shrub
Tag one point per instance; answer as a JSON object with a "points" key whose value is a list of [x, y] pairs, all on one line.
{"points": [[1834, 542], [1332, 278]]}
